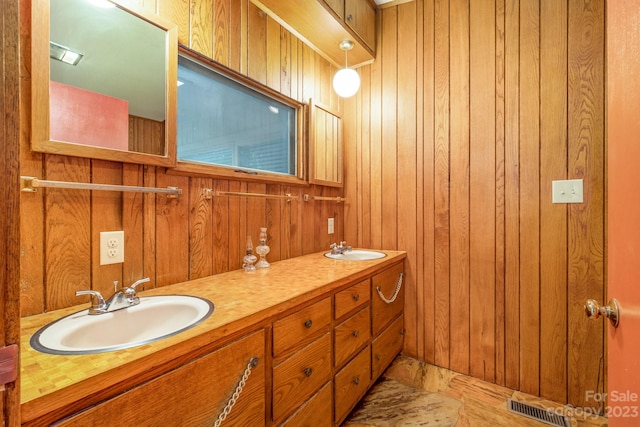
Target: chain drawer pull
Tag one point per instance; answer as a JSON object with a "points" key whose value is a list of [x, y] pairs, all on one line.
{"points": [[253, 362], [395, 294]]}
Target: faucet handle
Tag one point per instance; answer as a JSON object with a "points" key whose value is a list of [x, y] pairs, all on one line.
{"points": [[98, 304], [139, 282]]}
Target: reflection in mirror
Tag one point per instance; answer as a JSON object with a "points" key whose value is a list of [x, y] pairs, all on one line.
{"points": [[105, 91]]}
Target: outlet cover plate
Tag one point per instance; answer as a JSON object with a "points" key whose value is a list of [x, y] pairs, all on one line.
{"points": [[111, 247], [567, 191]]}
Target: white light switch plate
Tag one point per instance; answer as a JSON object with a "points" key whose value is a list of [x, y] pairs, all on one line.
{"points": [[567, 191], [111, 247]]}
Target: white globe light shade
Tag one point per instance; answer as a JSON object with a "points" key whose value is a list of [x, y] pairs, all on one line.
{"points": [[346, 82]]}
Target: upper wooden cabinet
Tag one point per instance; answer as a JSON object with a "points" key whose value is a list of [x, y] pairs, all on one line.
{"points": [[323, 24], [360, 16]]}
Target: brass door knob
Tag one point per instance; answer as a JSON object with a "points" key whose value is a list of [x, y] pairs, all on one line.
{"points": [[612, 311]]}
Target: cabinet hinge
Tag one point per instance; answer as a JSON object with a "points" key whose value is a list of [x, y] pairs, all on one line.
{"points": [[8, 364]]}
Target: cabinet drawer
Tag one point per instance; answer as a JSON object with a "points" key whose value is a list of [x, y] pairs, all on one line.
{"points": [[386, 347], [351, 383], [316, 412], [384, 285], [352, 297], [301, 327], [300, 376], [351, 335], [192, 395]]}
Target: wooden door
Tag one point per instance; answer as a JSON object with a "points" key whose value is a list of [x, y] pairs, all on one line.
{"points": [[623, 188], [10, 203]]}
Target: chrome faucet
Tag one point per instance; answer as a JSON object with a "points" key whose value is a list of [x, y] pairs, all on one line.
{"points": [[339, 249], [122, 298]]}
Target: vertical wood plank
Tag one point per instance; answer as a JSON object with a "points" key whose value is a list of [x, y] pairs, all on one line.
{"points": [[221, 213], [201, 27], [408, 166], [427, 207], [500, 193], [441, 184], [106, 215], [482, 189], [529, 197], [172, 232], [67, 233], [133, 224], [512, 191], [221, 31], [200, 229], [274, 55], [375, 150], [553, 217], [149, 227], [586, 220], [459, 289], [389, 187], [257, 44]]}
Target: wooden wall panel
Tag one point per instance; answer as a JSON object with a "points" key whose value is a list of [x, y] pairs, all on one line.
{"points": [[173, 240], [586, 221], [553, 218], [509, 98]]}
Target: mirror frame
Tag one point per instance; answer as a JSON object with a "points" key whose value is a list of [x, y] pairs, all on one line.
{"points": [[40, 108]]}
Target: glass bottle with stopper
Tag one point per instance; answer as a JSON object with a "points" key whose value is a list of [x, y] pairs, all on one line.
{"points": [[262, 249], [249, 259]]}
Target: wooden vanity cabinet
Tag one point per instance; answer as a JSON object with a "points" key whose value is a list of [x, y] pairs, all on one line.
{"points": [[193, 394]]}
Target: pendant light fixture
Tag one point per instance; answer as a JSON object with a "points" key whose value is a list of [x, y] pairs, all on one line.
{"points": [[346, 82]]}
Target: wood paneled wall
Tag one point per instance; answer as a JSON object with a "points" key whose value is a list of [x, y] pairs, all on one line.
{"points": [[470, 110], [172, 240]]}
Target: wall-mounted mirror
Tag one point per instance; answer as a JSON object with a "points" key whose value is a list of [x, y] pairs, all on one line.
{"points": [[103, 82]]}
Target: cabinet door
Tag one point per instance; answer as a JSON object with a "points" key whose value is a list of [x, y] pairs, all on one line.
{"points": [[337, 6], [192, 395], [325, 146], [360, 16], [386, 347], [388, 299]]}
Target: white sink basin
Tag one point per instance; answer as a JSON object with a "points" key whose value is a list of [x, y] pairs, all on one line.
{"points": [[356, 255], [156, 317]]}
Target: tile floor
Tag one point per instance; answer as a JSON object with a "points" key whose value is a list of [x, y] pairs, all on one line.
{"points": [[412, 393]]}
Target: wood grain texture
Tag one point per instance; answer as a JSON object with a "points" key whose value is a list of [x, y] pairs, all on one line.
{"points": [[459, 193], [10, 149], [553, 217], [586, 221], [510, 99]]}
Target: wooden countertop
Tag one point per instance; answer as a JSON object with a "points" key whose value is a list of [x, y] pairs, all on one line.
{"points": [[243, 300]]}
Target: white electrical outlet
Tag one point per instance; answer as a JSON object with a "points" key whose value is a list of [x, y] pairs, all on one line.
{"points": [[111, 247], [331, 226]]}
